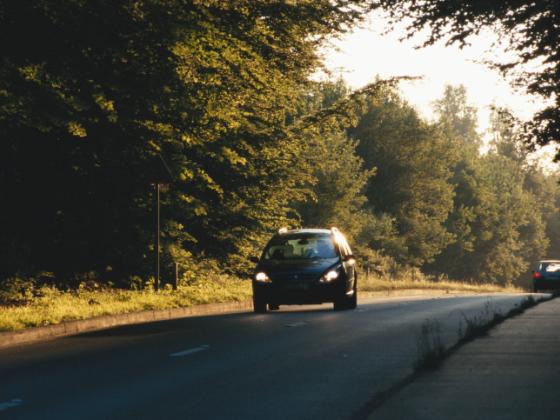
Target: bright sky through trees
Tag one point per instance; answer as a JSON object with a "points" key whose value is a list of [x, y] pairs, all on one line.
{"points": [[366, 52]]}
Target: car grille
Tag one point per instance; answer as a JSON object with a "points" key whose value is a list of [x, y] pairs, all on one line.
{"points": [[294, 277]]}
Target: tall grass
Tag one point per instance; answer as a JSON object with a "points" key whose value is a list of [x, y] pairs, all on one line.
{"points": [[47, 305], [52, 306], [375, 283]]}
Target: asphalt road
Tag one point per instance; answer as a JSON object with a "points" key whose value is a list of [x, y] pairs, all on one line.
{"points": [[302, 362]]}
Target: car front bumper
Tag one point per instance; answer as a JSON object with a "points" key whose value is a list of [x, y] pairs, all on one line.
{"points": [[299, 293]]}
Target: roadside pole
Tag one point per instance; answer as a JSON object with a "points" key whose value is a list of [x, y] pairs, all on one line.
{"points": [[161, 177], [176, 279], [156, 284]]}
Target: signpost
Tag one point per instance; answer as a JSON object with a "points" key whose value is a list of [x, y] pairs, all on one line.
{"points": [[162, 177]]}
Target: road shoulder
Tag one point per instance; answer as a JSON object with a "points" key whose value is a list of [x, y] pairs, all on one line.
{"points": [[510, 373]]}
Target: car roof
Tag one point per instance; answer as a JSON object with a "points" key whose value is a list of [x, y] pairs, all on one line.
{"points": [[549, 261], [309, 230]]}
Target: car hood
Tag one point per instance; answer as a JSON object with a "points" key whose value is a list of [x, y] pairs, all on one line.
{"points": [[311, 266]]}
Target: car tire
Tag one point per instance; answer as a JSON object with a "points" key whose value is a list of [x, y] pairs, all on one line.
{"points": [[259, 305], [347, 302], [340, 304], [353, 300]]}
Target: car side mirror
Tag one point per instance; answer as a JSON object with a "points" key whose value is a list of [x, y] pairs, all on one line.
{"points": [[254, 259]]}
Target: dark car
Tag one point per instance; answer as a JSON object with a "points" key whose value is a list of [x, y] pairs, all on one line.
{"points": [[547, 275], [306, 266]]}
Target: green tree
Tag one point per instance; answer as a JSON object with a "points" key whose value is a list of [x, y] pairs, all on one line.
{"points": [[529, 28], [338, 198], [498, 231], [97, 90], [457, 121], [411, 183], [337, 185], [458, 118]]}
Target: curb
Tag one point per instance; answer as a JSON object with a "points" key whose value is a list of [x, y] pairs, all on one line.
{"points": [[10, 339], [66, 328]]}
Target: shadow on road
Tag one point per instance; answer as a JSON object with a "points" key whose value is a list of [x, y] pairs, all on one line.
{"points": [[186, 323]]}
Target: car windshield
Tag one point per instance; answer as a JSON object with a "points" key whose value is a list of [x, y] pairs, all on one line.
{"points": [[550, 267], [300, 247]]}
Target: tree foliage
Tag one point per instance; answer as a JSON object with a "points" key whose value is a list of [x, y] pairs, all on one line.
{"points": [[529, 28], [501, 210], [96, 91], [410, 185], [338, 177]]}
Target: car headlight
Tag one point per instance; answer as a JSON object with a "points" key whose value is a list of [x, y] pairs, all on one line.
{"points": [[330, 276], [262, 277]]}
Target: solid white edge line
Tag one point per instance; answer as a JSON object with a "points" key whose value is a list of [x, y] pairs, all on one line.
{"points": [[190, 351], [296, 324]]}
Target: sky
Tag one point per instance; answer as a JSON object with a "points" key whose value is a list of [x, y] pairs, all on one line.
{"points": [[366, 52]]}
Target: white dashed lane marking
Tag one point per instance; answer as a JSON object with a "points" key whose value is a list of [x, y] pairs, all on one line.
{"points": [[14, 402], [296, 324], [190, 351]]}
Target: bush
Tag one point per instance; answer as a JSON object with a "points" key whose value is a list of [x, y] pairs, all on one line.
{"points": [[17, 291]]}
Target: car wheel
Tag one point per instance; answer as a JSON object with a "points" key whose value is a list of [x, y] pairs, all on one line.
{"points": [[340, 304], [353, 300], [259, 305]]}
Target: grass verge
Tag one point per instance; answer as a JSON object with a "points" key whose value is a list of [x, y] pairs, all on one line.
{"points": [[52, 306], [431, 351], [429, 345], [377, 284]]}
